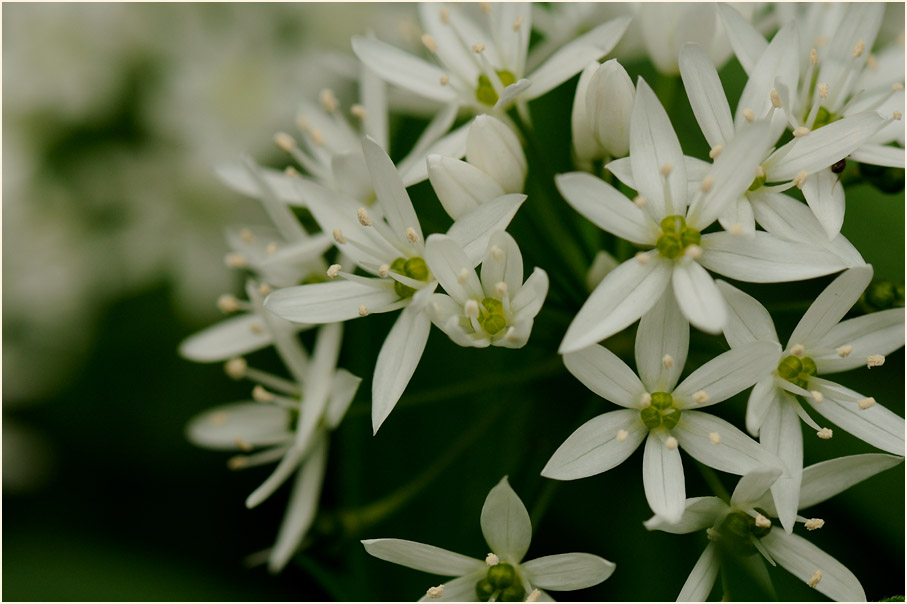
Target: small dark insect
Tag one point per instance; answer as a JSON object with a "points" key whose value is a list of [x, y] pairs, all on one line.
{"points": [[839, 166]]}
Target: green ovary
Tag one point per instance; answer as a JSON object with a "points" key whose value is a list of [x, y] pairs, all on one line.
{"points": [[797, 370], [414, 268], [485, 92], [823, 118], [676, 237], [661, 412], [501, 579], [491, 316], [735, 532]]}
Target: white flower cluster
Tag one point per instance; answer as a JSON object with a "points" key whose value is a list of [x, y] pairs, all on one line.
{"points": [[805, 109]]}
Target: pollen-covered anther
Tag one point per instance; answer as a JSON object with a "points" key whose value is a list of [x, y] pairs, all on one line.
{"points": [[517, 24], [329, 100], [445, 15], [471, 308], [667, 361], [866, 403], [359, 111], [814, 580], [736, 229], [491, 559], [463, 275], [246, 235], [716, 151], [534, 596], [228, 304], [334, 270], [642, 258], [256, 327], [817, 396], [243, 445], [843, 351], [435, 592], [497, 253], [271, 248], [317, 137], [800, 179], [707, 183], [338, 236], [693, 251], [801, 131], [749, 115], [236, 368], [671, 443], [814, 56], [825, 433], [264, 289], [622, 435], [875, 360], [411, 235], [859, 48], [897, 86], [363, 310], [292, 172], [714, 438], [666, 169], [700, 396], [284, 141], [261, 395], [762, 521], [645, 400], [234, 260], [445, 80], [814, 523], [429, 43], [237, 462], [896, 115], [823, 91], [871, 62], [640, 201], [798, 350], [362, 215], [776, 99], [478, 47], [500, 288], [711, 534], [486, 7], [383, 270]]}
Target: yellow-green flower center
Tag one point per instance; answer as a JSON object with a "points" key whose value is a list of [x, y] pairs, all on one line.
{"points": [[502, 581], [797, 370], [661, 412], [414, 268], [491, 315], [485, 92], [736, 532], [676, 237]]}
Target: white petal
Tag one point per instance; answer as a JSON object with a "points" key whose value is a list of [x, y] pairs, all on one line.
{"points": [[528, 301], [748, 321], [403, 69], [747, 42], [698, 296], [622, 297], [237, 177], [762, 398], [413, 168], [288, 464], [607, 208], [831, 306], [397, 206], [492, 146], [449, 264], [662, 478], [622, 169], [802, 559], [596, 446], [663, 331], [461, 589], [230, 427], [879, 155], [776, 62], [504, 265], [702, 578], [473, 229], [752, 486], [581, 118], [729, 373], [876, 333], [824, 480], [343, 390], [460, 187], [707, 98], [765, 259], [420, 556], [510, 93], [876, 425], [736, 452], [610, 99], [332, 301], [565, 572], [512, 42], [230, 338], [397, 361], [825, 195], [699, 514], [602, 372], [739, 215], [781, 434], [505, 523]]}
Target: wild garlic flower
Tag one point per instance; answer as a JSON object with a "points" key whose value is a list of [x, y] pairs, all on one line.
{"points": [[743, 527], [479, 60], [384, 240], [661, 412], [664, 219], [502, 576], [821, 343], [602, 105], [497, 310]]}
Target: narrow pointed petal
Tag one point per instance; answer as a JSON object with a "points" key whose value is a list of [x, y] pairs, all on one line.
{"points": [[453, 270], [824, 480], [735, 452], [581, 117], [781, 434], [420, 556], [620, 299], [511, 23], [413, 168], [332, 301], [729, 373], [747, 42], [403, 69], [802, 559], [707, 98], [607, 208], [237, 177], [702, 578], [663, 331], [662, 478], [505, 523], [876, 333], [831, 306], [879, 155], [699, 514], [510, 93], [596, 446], [765, 258], [752, 486], [739, 215], [288, 464], [775, 63], [602, 372], [461, 589], [397, 361], [230, 338], [473, 230], [875, 425], [528, 301], [492, 146], [748, 321], [825, 195], [343, 391], [503, 263], [698, 297], [228, 427], [397, 206], [566, 572], [763, 396]]}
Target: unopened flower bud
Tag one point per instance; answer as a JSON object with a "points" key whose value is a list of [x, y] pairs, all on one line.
{"points": [[492, 147]]}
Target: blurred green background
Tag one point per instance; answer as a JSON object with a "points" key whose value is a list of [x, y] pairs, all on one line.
{"points": [[112, 229]]}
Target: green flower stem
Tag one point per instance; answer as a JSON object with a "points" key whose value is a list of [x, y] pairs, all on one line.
{"points": [[543, 502], [714, 483]]}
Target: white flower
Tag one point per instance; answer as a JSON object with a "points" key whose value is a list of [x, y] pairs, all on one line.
{"points": [[661, 218], [666, 415], [479, 61], [386, 241], [819, 344], [739, 528], [498, 310], [600, 121], [502, 575]]}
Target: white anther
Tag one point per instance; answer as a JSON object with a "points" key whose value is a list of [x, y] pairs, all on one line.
{"points": [[666, 169], [329, 100], [814, 56], [486, 7], [866, 403], [707, 183], [292, 172], [362, 215], [284, 141], [896, 115], [714, 438], [800, 131], [897, 86], [500, 288], [622, 435], [776, 99], [645, 400], [271, 249], [228, 304], [358, 111], [237, 462], [334, 270], [411, 235], [317, 137], [642, 258], [234, 260], [435, 592], [261, 395], [256, 327], [701, 396], [800, 179], [671, 443], [716, 151], [762, 521], [814, 523], [711, 534], [478, 47], [445, 79], [760, 172], [471, 308], [338, 236], [798, 350], [383, 270], [823, 91], [749, 115], [264, 289], [236, 368], [445, 16], [736, 229], [517, 24], [817, 396], [825, 433], [859, 48], [246, 235], [640, 201], [491, 559], [667, 361], [843, 351], [871, 62], [875, 360], [429, 43], [242, 444], [534, 596], [463, 275], [814, 580], [302, 122], [497, 253], [693, 251], [363, 310]]}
